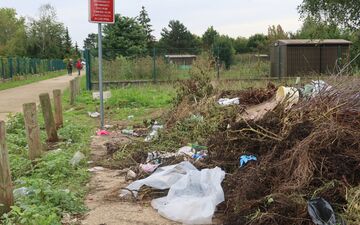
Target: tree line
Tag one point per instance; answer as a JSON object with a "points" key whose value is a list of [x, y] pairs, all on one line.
{"points": [[43, 37], [132, 37]]}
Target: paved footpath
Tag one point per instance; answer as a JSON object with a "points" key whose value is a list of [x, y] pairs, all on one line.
{"points": [[11, 100]]}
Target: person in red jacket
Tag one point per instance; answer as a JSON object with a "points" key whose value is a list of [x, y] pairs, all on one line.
{"points": [[79, 66]]}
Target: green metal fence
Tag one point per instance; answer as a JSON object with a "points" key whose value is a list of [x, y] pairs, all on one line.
{"points": [[11, 67]]}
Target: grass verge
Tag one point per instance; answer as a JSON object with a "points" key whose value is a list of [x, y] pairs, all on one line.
{"points": [[30, 79]]}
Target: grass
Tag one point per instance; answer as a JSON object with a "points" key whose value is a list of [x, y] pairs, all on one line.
{"points": [[16, 82], [52, 186], [139, 101]]}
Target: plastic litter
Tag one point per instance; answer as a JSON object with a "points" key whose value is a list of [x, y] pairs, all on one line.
{"points": [[96, 169], [290, 94], [108, 126], [244, 159], [193, 194], [21, 192], [321, 212], [193, 199], [130, 132], [102, 133], [149, 167], [194, 151], [315, 88], [154, 132], [130, 117], [228, 101], [76, 159], [94, 114]]}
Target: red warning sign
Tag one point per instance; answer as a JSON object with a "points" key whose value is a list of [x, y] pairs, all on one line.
{"points": [[101, 11]]}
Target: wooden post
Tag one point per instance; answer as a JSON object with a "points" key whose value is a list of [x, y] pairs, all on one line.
{"points": [[48, 117], [58, 108], [32, 131], [6, 189], [72, 92], [78, 85]]}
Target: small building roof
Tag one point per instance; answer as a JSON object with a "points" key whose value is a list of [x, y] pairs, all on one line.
{"points": [[313, 42], [180, 56]]}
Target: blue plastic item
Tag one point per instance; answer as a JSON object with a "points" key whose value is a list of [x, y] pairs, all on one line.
{"points": [[244, 159]]}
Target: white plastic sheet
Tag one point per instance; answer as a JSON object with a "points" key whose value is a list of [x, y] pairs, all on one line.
{"points": [[228, 101], [193, 194]]}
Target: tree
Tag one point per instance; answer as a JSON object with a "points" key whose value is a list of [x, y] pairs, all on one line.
{"points": [[314, 29], [46, 35], [276, 33], [67, 42], [258, 43], [209, 37], [144, 21], [223, 50], [342, 12], [91, 41], [126, 37], [13, 34], [241, 45], [177, 39]]}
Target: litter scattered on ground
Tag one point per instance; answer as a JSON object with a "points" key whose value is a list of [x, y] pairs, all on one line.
{"points": [[102, 133], [228, 101], [244, 159], [322, 213], [94, 114], [154, 132], [315, 88], [130, 132], [106, 95], [131, 117], [21, 192], [130, 175], [107, 126], [76, 159], [149, 167], [193, 194], [96, 169]]}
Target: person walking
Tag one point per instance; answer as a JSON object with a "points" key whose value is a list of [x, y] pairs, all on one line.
{"points": [[69, 66], [79, 66]]}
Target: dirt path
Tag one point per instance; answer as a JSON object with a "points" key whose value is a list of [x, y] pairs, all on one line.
{"points": [[11, 100], [106, 208]]}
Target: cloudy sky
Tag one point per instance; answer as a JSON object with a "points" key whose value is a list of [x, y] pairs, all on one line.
{"points": [[232, 17]]}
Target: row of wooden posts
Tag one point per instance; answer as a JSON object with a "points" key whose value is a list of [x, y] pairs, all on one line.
{"points": [[52, 123]]}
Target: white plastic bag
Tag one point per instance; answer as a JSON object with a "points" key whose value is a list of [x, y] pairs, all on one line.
{"points": [[163, 178], [193, 194], [193, 199]]}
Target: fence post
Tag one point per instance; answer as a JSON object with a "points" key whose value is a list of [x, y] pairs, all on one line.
{"points": [[48, 117], [154, 65], [11, 69], [58, 108], [32, 130], [6, 189], [72, 92], [2, 68], [77, 85]]}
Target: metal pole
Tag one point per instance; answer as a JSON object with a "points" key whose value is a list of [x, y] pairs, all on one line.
{"points": [[100, 78]]}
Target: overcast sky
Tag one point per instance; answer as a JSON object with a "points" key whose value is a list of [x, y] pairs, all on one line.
{"points": [[231, 17]]}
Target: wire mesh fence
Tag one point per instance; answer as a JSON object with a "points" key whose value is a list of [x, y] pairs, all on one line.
{"points": [[176, 64], [11, 67]]}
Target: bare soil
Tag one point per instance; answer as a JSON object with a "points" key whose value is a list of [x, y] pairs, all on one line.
{"points": [[106, 207]]}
